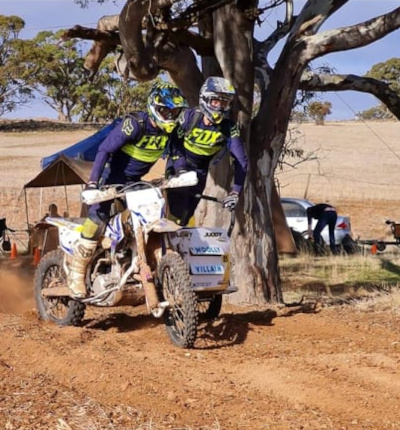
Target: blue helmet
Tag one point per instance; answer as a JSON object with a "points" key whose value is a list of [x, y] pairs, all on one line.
{"points": [[165, 104], [216, 97]]}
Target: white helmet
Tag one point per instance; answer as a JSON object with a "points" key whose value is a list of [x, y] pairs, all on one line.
{"points": [[216, 97]]}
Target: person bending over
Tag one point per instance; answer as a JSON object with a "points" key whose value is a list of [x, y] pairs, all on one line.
{"points": [[326, 216]]}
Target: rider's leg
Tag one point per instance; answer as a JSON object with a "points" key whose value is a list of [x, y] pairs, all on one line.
{"points": [[84, 249], [183, 202], [83, 252], [177, 204]]}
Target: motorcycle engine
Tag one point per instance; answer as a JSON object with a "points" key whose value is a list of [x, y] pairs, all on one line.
{"points": [[101, 285]]}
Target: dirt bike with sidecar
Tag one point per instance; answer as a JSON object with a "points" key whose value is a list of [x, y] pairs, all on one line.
{"points": [[180, 273]]}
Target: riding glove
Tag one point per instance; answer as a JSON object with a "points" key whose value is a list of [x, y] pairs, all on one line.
{"points": [[91, 186], [230, 201]]}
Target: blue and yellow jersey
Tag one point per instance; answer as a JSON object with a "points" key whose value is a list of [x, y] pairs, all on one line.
{"points": [[196, 144], [130, 149]]}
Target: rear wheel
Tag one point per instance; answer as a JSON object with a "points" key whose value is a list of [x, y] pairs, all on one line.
{"points": [[181, 316], [350, 246], [50, 274], [302, 243]]}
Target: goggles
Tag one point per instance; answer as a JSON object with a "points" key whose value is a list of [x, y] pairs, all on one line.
{"points": [[222, 103], [169, 114]]}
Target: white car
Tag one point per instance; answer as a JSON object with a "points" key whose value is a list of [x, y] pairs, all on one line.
{"points": [[296, 218]]}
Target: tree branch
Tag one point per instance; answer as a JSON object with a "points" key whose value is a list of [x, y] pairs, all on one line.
{"points": [[312, 16], [203, 47], [91, 34], [381, 90], [362, 34]]}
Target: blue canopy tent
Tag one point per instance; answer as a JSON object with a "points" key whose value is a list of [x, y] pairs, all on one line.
{"points": [[85, 150], [70, 166]]}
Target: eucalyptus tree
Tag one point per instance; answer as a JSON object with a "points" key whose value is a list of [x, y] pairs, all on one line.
{"points": [[166, 34], [388, 72], [53, 70], [13, 91], [318, 111]]}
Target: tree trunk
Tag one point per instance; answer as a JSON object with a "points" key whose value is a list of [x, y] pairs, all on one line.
{"points": [[255, 260]]}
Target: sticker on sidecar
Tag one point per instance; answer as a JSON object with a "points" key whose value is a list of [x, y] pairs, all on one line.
{"points": [[209, 269], [206, 250]]}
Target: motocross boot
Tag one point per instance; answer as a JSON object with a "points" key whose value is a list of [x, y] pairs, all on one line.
{"points": [[83, 253]]}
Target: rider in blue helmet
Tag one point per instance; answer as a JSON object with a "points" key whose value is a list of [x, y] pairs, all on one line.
{"points": [[164, 105], [124, 156]]}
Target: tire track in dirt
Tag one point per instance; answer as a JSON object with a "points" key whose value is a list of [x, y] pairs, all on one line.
{"points": [[283, 374], [251, 368], [327, 366]]}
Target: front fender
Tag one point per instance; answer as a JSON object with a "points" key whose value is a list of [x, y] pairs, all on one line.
{"points": [[163, 225]]}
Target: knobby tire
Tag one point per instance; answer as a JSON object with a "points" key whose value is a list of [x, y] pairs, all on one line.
{"points": [[181, 317], [61, 310]]}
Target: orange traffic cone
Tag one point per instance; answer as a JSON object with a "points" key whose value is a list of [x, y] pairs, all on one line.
{"points": [[374, 249], [14, 252], [36, 256]]}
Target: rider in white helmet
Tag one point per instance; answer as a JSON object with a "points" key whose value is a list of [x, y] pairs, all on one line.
{"points": [[202, 133]]}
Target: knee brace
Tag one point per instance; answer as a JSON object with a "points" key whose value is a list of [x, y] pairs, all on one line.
{"points": [[90, 229]]}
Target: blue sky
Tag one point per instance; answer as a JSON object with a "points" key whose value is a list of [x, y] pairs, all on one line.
{"points": [[56, 14]]}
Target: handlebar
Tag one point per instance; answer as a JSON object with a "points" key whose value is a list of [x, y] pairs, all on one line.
{"points": [[214, 199], [110, 192]]}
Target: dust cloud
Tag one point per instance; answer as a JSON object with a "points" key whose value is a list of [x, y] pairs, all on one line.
{"points": [[16, 286]]}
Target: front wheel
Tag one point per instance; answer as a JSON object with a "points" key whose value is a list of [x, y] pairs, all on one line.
{"points": [[50, 274], [181, 316]]}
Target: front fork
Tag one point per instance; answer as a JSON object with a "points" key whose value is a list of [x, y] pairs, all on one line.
{"points": [[155, 307]]}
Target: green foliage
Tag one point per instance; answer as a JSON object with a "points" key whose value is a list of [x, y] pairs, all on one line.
{"points": [[13, 92], [299, 116], [388, 72], [348, 271], [85, 3], [10, 26], [54, 71], [318, 111], [380, 112]]}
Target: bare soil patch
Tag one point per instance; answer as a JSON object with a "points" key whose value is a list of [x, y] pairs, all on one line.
{"points": [[311, 366]]}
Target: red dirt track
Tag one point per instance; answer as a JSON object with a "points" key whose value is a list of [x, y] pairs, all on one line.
{"points": [[309, 367], [304, 367]]}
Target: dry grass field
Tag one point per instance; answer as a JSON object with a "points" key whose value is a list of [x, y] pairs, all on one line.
{"points": [[331, 362], [355, 167]]}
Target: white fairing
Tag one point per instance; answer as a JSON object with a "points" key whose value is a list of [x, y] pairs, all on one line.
{"points": [[68, 232], [114, 229], [147, 205], [206, 252], [187, 179], [91, 197]]}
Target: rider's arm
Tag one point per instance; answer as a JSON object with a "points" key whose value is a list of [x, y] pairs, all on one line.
{"points": [[236, 148], [125, 131], [177, 153]]}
